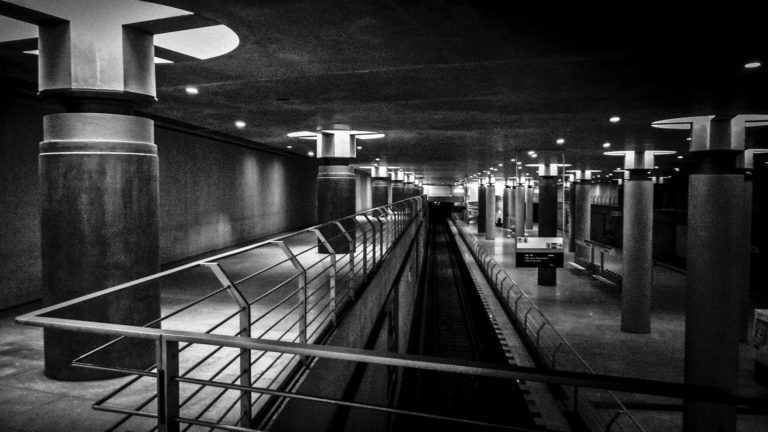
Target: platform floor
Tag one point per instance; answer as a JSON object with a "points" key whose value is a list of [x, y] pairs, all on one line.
{"points": [[587, 314]]}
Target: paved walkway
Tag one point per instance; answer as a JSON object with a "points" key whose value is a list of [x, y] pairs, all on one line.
{"points": [[587, 314]]}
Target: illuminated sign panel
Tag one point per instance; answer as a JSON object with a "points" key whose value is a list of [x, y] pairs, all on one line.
{"points": [[539, 252]]}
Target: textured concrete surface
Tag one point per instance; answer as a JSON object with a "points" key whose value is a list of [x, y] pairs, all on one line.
{"points": [[587, 314]]}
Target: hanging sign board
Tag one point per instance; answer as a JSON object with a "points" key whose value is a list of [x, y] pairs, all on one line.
{"points": [[539, 252]]}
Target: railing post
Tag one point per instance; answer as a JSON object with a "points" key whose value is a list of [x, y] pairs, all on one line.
{"points": [[332, 277], [352, 241], [245, 331], [373, 239], [381, 236], [167, 353], [302, 291], [365, 250]]}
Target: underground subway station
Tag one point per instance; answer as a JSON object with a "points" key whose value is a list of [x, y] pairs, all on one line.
{"points": [[383, 215]]}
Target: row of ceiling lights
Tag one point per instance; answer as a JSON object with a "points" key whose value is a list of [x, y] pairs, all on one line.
{"points": [[240, 124]]}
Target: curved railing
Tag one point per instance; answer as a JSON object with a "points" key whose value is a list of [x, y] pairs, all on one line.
{"points": [[551, 348], [289, 289]]}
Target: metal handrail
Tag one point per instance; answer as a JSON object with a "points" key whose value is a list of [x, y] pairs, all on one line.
{"points": [[534, 333], [370, 233]]}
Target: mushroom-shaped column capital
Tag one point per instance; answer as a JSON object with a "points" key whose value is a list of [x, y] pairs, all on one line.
{"points": [[715, 132], [639, 160]]}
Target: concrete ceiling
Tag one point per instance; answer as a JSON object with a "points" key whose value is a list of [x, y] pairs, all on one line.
{"points": [[460, 86]]}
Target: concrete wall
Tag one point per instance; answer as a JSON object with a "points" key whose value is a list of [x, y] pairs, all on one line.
{"points": [[214, 193], [380, 319], [21, 130]]}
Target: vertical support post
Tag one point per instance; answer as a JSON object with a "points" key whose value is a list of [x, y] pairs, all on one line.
{"points": [[373, 239], [490, 211], [332, 273], [244, 331], [302, 291], [381, 236], [353, 250], [167, 353]]}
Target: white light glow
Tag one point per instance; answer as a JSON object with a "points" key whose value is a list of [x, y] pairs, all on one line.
{"points": [[752, 65], [606, 145], [201, 42], [191, 90], [289, 146], [302, 134], [359, 147], [378, 159], [560, 141], [679, 157], [614, 119], [239, 124], [370, 136], [530, 152], [310, 153]]}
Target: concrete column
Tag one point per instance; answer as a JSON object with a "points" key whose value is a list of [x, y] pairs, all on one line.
{"points": [[582, 215], [713, 306], [409, 188], [482, 208], [548, 222], [529, 205], [637, 279], [380, 187], [506, 206], [519, 192], [398, 187], [717, 251], [335, 200], [571, 217], [490, 212], [98, 173]]}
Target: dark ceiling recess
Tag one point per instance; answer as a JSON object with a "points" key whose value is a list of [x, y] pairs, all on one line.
{"points": [[460, 86]]}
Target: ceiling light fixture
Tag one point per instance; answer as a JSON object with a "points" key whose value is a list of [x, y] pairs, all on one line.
{"points": [[289, 146], [752, 65], [310, 153], [614, 119], [191, 90], [679, 157], [530, 152], [239, 124], [560, 141], [606, 145], [501, 164], [359, 147], [378, 159]]}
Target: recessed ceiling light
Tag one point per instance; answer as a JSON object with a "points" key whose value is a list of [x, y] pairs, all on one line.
{"points": [[753, 65], [310, 153], [677, 169], [191, 90], [378, 159], [679, 157], [512, 160], [290, 146], [656, 167], [560, 141], [534, 155], [606, 145], [501, 164], [614, 119], [239, 124], [359, 147]]}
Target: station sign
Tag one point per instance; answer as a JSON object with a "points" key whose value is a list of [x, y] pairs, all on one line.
{"points": [[539, 252]]}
